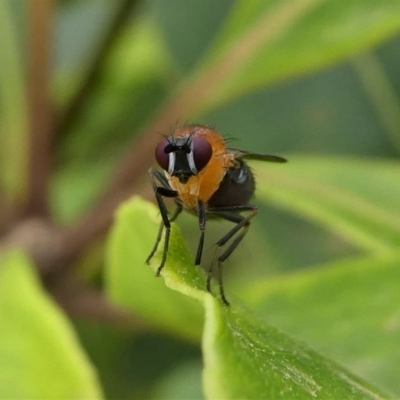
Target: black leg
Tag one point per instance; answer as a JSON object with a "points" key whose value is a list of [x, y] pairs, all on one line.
{"points": [[242, 224], [245, 221], [161, 192], [232, 217], [158, 239], [221, 285], [201, 210], [178, 210]]}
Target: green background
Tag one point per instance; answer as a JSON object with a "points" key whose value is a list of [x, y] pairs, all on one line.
{"points": [[321, 260]]}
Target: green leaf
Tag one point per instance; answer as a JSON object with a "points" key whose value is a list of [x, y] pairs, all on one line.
{"points": [[347, 310], [246, 359], [243, 357], [130, 282], [358, 199], [40, 354], [269, 41]]}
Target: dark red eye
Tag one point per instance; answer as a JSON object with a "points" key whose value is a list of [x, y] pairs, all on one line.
{"points": [[161, 156], [202, 152]]}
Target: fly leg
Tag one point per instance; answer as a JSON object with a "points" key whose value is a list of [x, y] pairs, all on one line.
{"points": [[201, 210], [160, 192], [177, 211], [242, 226]]}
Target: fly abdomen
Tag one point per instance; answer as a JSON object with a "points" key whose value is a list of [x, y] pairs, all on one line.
{"points": [[237, 187]]}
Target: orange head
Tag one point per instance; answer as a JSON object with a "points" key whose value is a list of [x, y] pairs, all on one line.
{"points": [[195, 160]]}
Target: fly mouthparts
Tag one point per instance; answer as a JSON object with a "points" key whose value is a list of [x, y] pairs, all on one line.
{"points": [[183, 178]]}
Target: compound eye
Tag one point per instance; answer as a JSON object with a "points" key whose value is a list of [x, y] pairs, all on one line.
{"points": [[202, 152], [162, 156]]}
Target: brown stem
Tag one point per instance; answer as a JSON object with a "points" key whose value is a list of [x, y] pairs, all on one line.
{"points": [[41, 15], [94, 71]]}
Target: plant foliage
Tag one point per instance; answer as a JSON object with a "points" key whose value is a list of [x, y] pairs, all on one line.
{"points": [[85, 86]]}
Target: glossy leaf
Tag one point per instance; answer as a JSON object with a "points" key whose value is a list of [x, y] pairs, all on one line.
{"points": [[246, 359], [348, 311]]}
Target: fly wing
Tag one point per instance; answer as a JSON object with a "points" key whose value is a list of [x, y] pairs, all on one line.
{"points": [[254, 156]]}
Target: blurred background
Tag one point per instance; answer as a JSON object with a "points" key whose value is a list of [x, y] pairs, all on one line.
{"points": [[86, 87]]}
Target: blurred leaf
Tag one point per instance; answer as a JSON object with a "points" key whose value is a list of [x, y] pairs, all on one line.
{"points": [[194, 19], [239, 351], [68, 200], [381, 93], [13, 108], [347, 310], [80, 31], [130, 282], [291, 38], [134, 81], [183, 382], [135, 78], [246, 359], [41, 355], [358, 199]]}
